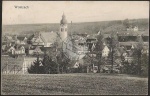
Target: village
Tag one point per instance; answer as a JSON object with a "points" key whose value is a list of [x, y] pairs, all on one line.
{"points": [[75, 48], [20, 51]]}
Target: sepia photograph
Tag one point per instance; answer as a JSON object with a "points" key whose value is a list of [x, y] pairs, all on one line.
{"points": [[75, 48]]}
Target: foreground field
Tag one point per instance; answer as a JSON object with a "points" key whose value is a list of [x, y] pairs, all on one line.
{"points": [[65, 84]]}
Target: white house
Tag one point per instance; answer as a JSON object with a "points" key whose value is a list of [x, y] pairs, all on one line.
{"points": [[12, 50], [105, 51], [19, 50], [135, 28]]}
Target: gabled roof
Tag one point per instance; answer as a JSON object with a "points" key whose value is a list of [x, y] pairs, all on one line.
{"points": [[30, 37], [21, 38], [49, 37], [106, 47]]}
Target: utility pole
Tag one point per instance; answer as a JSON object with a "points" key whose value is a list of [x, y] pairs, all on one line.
{"points": [[7, 68], [14, 69], [112, 53], [56, 56]]}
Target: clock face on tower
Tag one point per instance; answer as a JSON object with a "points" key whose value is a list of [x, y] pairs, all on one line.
{"points": [[74, 47]]}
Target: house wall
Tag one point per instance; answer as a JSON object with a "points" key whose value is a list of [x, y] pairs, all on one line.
{"points": [[105, 52]]}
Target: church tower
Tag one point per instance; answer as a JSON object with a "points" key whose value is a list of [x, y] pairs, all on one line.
{"points": [[63, 28]]}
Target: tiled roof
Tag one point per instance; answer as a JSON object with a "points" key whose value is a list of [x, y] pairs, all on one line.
{"points": [[49, 37], [21, 38]]}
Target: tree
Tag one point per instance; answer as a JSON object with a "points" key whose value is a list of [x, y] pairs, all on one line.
{"points": [[144, 64], [98, 49], [36, 68], [50, 67], [126, 23], [113, 44], [63, 63], [138, 54]]}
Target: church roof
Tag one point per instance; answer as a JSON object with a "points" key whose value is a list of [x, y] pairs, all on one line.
{"points": [[49, 37], [63, 20]]}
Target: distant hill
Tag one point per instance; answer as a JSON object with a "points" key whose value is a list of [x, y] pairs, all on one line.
{"points": [[88, 27]]}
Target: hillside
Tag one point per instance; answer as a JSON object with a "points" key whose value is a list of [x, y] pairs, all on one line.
{"points": [[88, 27]]}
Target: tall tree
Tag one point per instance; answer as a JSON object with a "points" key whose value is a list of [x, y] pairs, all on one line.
{"points": [[50, 67], [98, 49], [37, 67], [144, 64], [138, 54], [113, 44], [126, 23]]}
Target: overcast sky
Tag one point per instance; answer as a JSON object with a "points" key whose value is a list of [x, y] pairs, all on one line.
{"points": [[75, 11]]}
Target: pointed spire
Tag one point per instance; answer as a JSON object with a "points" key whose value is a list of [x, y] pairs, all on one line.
{"points": [[63, 16], [63, 20]]}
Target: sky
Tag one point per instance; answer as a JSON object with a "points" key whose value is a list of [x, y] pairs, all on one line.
{"points": [[75, 11]]}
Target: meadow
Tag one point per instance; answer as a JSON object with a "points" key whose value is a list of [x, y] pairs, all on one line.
{"points": [[74, 84]]}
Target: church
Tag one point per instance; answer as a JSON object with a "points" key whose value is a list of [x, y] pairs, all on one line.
{"points": [[74, 46]]}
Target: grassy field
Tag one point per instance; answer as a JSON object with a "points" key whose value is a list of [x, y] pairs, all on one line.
{"points": [[70, 84]]}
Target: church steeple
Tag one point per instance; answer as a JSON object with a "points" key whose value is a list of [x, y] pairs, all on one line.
{"points": [[63, 20], [63, 27]]}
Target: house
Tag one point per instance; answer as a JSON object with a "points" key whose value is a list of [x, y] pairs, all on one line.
{"points": [[20, 50], [145, 50], [105, 51], [129, 59], [91, 41], [75, 47], [21, 40], [132, 28], [49, 38], [11, 50], [34, 50], [45, 39], [17, 50], [37, 40], [7, 40]]}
